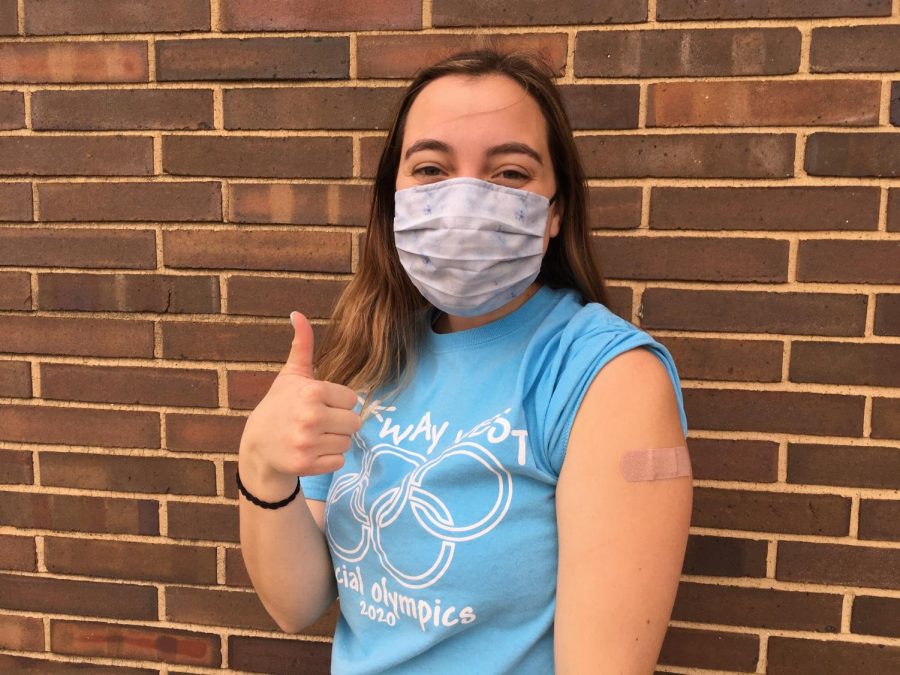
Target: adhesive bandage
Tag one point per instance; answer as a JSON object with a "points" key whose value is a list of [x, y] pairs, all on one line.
{"points": [[656, 463]]}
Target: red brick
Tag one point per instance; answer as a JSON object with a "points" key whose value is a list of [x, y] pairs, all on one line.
{"points": [[895, 104], [204, 433], [283, 250], [838, 49], [79, 513], [310, 107], [54, 17], [725, 556], [76, 337], [535, 12], [15, 291], [868, 364], [748, 155], [95, 471], [687, 52], [235, 571], [825, 563], [885, 418], [853, 154], [887, 314], [24, 664], [76, 156], [401, 55], [74, 61], [602, 106], [267, 655], [79, 426], [775, 208], [21, 633], [15, 379], [879, 519], [709, 649], [262, 342], [16, 467], [715, 359], [687, 10], [96, 109], [16, 553], [131, 201], [258, 156], [15, 201], [874, 615], [12, 110], [131, 560], [836, 261], [291, 15], [55, 247], [370, 148], [246, 388], [734, 460], [169, 293], [9, 23], [77, 597], [735, 509], [843, 465], [302, 203], [206, 522], [145, 643], [129, 384], [263, 296], [754, 103], [276, 58], [614, 208], [830, 657]]}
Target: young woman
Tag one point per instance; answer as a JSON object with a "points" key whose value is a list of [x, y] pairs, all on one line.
{"points": [[476, 442]]}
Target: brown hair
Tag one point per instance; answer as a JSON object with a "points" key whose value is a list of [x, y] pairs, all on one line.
{"points": [[380, 318]]}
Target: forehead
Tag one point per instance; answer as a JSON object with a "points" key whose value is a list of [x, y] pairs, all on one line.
{"points": [[472, 112]]}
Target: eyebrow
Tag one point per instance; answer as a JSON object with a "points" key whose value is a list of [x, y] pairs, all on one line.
{"points": [[502, 149]]}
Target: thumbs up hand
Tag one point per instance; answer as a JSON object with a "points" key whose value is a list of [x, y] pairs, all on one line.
{"points": [[303, 425]]}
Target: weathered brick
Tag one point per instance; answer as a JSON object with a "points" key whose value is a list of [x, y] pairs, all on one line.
{"points": [[874, 615], [768, 511], [79, 513], [602, 106], [16, 553], [76, 337], [830, 657], [310, 107], [693, 259], [775, 208], [129, 384], [837, 261], [39, 247], [15, 202], [717, 650], [687, 10], [843, 465], [401, 55], [687, 52], [826, 314], [269, 655], [246, 388], [76, 156], [854, 49], [722, 556], [16, 467], [853, 154], [21, 633], [95, 471], [96, 109], [277, 58], [824, 563], [54, 17], [74, 61], [230, 342], [885, 418], [9, 23], [879, 519], [258, 156], [12, 110], [79, 426], [130, 201], [749, 155], [207, 522], [204, 433], [15, 380], [15, 291], [164, 294], [535, 12], [323, 15], [265, 296], [755, 103], [288, 250], [302, 203], [145, 643]]}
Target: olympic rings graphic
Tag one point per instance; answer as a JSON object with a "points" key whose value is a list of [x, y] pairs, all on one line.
{"points": [[429, 510]]}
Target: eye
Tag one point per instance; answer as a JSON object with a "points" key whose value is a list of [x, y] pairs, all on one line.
{"points": [[425, 171], [513, 175]]}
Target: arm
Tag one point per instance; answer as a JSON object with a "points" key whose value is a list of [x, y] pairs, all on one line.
{"points": [[621, 543]]}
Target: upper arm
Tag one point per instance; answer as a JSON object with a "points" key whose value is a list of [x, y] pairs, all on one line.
{"points": [[317, 508], [621, 543]]}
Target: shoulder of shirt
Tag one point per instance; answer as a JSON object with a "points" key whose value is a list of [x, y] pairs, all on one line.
{"points": [[570, 321]]}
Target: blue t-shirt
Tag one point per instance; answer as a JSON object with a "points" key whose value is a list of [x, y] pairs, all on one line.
{"points": [[442, 522]]}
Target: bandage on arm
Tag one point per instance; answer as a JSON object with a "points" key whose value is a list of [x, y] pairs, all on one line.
{"points": [[656, 463]]}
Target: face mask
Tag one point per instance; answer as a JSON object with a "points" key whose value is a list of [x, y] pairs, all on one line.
{"points": [[468, 245]]}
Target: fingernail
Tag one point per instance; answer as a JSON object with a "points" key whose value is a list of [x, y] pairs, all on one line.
{"points": [[292, 319]]}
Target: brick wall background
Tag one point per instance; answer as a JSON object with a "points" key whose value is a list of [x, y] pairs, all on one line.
{"points": [[176, 176]]}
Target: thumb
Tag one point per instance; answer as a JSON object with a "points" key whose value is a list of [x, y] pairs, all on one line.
{"points": [[300, 359]]}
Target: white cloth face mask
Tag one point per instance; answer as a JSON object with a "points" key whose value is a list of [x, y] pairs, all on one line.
{"points": [[468, 245]]}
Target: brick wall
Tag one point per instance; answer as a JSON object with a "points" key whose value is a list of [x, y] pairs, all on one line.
{"points": [[176, 176]]}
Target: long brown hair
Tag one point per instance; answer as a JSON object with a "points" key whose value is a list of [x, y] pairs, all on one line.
{"points": [[379, 319]]}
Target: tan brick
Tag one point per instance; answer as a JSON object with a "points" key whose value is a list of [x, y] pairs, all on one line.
{"points": [[773, 208], [688, 10], [838, 49], [54, 17], [207, 522], [230, 342], [74, 61], [853, 154], [126, 384], [9, 23], [303, 203], [258, 157], [535, 12], [15, 201], [79, 426], [836, 261], [291, 58], [734, 460], [131, 201], [71, 337], [79, 513], [22, 633], [16, 467], [874, 615], [96, 109], [16, 553], [755, 103], [15, 291], [15, 379], [310, 107], [267, 655], [246, 388], [749, 155], [401, 55], [825, 563], [260, 296], [12, 110], [717, 650], [876, 365], [283, 250], [687, 52], [787, 654], [145, 643], [204, 433], [291, 15], [76, 156]]}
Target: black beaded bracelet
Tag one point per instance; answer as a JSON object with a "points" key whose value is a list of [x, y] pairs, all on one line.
{"points": [[260, 502]]}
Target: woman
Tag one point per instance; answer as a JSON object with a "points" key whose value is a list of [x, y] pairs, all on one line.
{"points": [[474, 483]]}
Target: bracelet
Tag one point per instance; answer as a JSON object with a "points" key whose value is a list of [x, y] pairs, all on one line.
{"points": [[260, 502]]}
